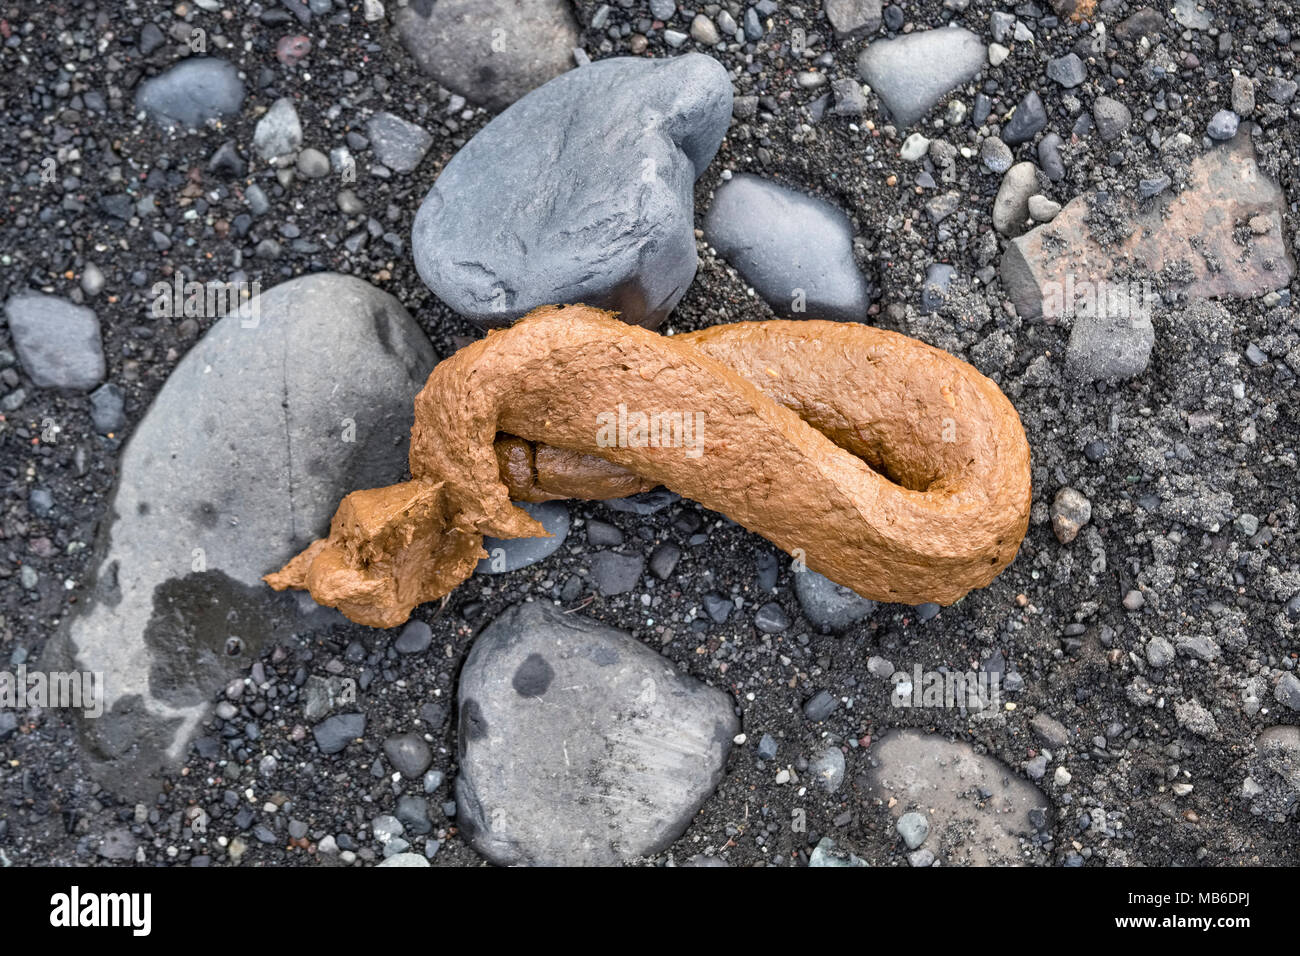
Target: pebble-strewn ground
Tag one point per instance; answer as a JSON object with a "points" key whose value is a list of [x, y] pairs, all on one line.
{"points": [[1144, 658]]}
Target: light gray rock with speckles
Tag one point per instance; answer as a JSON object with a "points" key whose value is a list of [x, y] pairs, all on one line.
{"points": [[579, 745], [267, 422]]}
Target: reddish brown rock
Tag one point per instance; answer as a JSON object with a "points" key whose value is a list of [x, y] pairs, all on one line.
{"points": [[1223, 235]]}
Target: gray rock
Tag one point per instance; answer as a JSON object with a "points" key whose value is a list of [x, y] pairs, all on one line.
{"points": [[615, 573], [409, 755], [511, 554], [1108, 347], [828, 768], [1049, 157], [912, 73], [831, 607], [583, 191], [1071, 510], [771, 618], [414, 639], [827, 854], [192, 93], [704, 31], [1050, 731], [848, 96], [399, 144], [938, 282], [1029, 119], [1042, 209], [278, 133], [1223, 125], [107, 408], [921, 857], [853, 18], [579, 745], [767, 747], [913, 827], [820, 706], [1194, 718], [1067, 70], [1160, 653], [796, 251], [1188, 14], [996, 155], [57, 342], [404, 860], [491, 52], [313, 164], [1287, 691], [324, 374], [333, 734], [119, 845], [1011, 207], [1112, 117]]}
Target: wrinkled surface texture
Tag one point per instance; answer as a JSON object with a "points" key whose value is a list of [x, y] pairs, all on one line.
{"points": [[895, 469]]}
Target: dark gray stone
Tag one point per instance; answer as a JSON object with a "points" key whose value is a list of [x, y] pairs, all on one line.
{"points": [[57, 342], [912, 73], [1223, 125], [511, 554], [615, 573], [333, 734], [491, 52], [414, 639], [268, 421], [820, 706], [1108, 347], [192, 93], [796, 251], [579, 745], [831, 607], [409, 755], [583, 191], [1029, 119]]}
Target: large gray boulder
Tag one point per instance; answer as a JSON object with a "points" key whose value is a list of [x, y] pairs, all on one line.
{"points": [[795, 250], [490, 51], [239, 463], [579, 745], [580, 192], [912, 73], [192, 93]]}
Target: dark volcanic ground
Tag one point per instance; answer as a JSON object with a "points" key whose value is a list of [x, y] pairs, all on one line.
{"points": [[1166, 499]]}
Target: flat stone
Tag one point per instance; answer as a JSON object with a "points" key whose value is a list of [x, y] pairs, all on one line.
{"points": [[325, 372], [616, 573], [192, 93], [827, 769], [491, 52], [1028, 120], [795, 250], [1068, 70], [399, 144], [1225, 188], [583, 191], [831, 607], [57, 342], [404, 860], [511, 554], [950, 781], [1112, 117], [579, 745], [912, 73], [853, 18]]}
